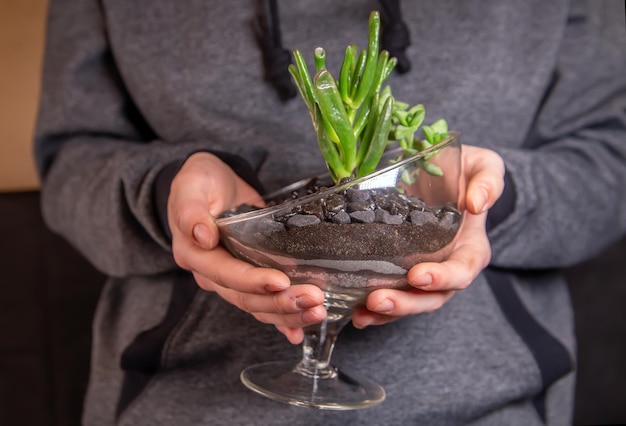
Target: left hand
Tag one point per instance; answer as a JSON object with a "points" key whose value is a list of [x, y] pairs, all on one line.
{"points": [[204, 187], [435, 283]]}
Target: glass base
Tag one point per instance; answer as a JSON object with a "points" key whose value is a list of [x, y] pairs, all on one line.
{"points": [[282, 382]]}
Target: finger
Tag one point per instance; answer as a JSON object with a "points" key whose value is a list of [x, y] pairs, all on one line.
{"points": [[297, 320], [484, 170], [363, 317], [470, 256], [386, 305], [294, 335], [189, 214], [206, 178], [219, 267], [204, 187], [295, 299], [195, 223]]}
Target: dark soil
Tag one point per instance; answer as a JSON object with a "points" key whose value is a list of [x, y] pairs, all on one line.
{"points": [[364, 241], [357, 225]]}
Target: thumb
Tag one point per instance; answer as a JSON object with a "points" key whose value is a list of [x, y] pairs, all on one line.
{"points": [[484, 171], [204, 187], [205, 236]]}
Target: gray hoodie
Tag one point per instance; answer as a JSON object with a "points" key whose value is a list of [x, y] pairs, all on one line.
{"points": [[131, 88]]}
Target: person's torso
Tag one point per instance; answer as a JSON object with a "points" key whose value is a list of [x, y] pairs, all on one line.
{"points": [[195, 70]]}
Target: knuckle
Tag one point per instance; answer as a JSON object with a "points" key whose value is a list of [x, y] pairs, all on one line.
{"points": [[204, 283], [436, 304], [217, 274], [500, 162], [241, 301], [265, 319], [482, 259], [277, 304], [486, 259], [466, 283], [185, 219], [180, 258]]}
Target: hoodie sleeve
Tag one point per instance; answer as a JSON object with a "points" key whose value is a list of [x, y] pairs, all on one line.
{"points": [[104, 173], [565, 198]]}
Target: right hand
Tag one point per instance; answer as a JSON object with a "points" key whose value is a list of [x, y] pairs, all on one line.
{"points": [[203, 188], [435, 283]]}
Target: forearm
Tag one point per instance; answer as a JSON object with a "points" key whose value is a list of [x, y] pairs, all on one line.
{"points": [[568, 181], [105, 170], [570, 203], [99, 194]]}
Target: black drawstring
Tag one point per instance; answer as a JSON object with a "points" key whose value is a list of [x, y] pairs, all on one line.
{"points": [[395, 38], [276, 59]]}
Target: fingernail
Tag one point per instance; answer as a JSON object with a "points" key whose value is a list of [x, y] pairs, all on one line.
{"points": [[310, 316], [423, 280], [480, 200], [202, 235], [363, 323], [305, 302], [384, 306], [274, 287]]}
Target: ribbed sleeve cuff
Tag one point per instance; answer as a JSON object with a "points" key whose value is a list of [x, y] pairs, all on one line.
{"points": [[505, 204]]}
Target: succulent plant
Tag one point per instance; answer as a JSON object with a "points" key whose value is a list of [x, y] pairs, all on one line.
{"points": [[354, 117]]}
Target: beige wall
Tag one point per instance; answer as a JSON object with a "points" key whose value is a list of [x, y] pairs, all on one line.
{"points": [[21, 45]]}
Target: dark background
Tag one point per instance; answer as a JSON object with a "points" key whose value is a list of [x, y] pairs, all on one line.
{"points": [[49, 294]]}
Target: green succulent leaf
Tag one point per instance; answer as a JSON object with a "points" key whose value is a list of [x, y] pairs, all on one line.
{"points": [[345, 77], [334, 113], [354, 117], [379, 140]]}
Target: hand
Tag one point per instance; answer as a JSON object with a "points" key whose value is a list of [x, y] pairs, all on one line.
{"points": [[203, 188], [435, 283]]}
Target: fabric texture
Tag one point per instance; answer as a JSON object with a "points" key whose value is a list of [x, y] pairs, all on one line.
{"points": [[130, 90]]}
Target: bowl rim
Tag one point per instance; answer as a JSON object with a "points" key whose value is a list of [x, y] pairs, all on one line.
{"points": [[225, 221]]}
